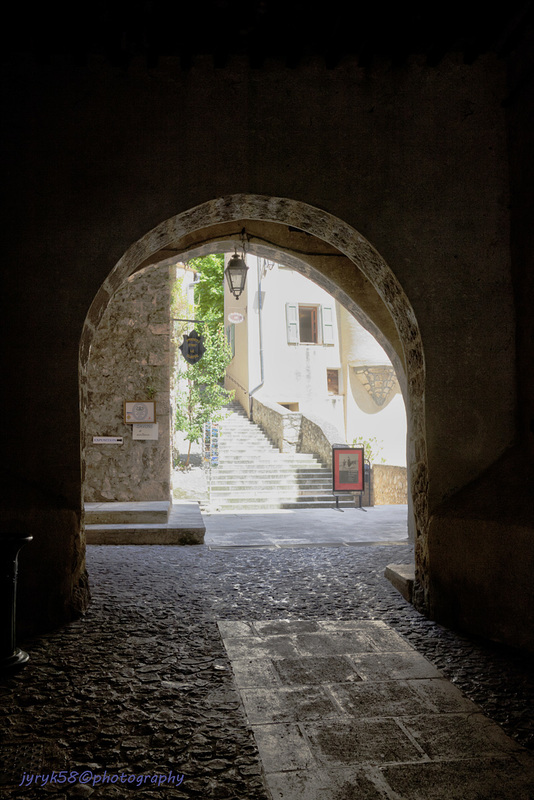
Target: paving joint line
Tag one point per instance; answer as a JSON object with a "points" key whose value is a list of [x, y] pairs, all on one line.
{"points": [[301, 545]]}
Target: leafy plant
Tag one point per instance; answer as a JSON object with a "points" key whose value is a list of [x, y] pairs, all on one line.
{"points": [[209, 291], [201, 396], [151, 391], [371, 449]]}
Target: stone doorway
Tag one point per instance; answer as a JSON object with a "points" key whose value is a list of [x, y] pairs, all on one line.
{"points": [[335, 256]]}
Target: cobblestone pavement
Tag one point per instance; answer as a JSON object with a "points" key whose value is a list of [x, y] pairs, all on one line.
{"points": [[142, 686]]}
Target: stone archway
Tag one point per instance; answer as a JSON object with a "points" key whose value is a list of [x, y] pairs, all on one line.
{"points": [[186, 233]]}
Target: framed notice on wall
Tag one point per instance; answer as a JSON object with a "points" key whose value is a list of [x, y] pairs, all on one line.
{"points": [[139, 411], [144, 431], [347, 469]]}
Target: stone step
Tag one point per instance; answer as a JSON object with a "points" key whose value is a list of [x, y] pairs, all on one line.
{"points": [[321, 486], [243, 490], [252, 473], [269, 478], [117, 513], [302, 481], [239, 436], [244, 447], [269, 505], [277, 463], [184, 526], [238, 490], [237, 470], [261, 465], [243, 434], [245, 438], [239, 473], [402, 576], [265, 463], [255, 456], [242, 429]]}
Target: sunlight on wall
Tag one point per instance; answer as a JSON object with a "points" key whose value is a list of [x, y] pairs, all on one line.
{"points": [[298, 347]]}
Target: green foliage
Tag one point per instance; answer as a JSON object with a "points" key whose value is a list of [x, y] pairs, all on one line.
{"points": [[179, 311], [371, 449], [209, 291], [178, 301], [151, 390], [202, 397]]}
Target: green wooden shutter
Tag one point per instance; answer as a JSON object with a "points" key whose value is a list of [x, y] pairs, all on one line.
{"points": [[292, 323], [328, 324], [230, 337]]}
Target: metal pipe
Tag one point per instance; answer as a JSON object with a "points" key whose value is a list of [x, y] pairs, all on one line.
{"points": [[260, 331], [11, 656]]}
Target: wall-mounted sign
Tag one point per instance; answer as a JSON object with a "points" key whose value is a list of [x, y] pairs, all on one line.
{"points": [[144, 431], [139, 411], [236, 317], [347, 469], [211, 443], [192, 347], [108, 440]]}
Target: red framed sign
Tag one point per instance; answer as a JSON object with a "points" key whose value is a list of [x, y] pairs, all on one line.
{"points": [[347, 469]]}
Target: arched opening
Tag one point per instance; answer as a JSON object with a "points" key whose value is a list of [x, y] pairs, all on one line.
{"points": [[335, 256]]}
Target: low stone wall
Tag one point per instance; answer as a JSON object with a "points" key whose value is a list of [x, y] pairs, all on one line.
{"points": [[280, 425], [293, 432], [318, 437], [389, 485]]}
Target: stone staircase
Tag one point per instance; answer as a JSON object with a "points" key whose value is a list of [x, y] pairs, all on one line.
{"points": [[252, 474]]}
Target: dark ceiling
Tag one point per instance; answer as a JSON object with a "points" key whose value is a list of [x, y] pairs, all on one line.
{"points": [[289, 30]]}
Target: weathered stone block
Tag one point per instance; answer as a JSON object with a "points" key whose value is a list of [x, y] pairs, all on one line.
{"points": [[402, 576]]}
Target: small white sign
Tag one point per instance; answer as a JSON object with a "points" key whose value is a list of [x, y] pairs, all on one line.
{"points": [[236, 317], [139, 411], [108, 439], [145, 431]]}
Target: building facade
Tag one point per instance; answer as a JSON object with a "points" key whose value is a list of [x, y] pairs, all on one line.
{"points": [[297, 346]]}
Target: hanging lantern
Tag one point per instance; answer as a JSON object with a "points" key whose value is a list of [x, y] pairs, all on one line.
{"points": [[236, 275], [236, 270]]}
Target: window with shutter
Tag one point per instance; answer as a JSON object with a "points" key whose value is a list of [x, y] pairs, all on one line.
{"points": [[292, 323], [309, 324], [230, 337], [328, 319]]}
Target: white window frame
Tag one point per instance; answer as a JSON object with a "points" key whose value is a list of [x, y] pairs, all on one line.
{"points": [[325, 324]]}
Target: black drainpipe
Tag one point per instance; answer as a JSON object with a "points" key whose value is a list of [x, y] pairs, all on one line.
{"points": [[260, 327]]}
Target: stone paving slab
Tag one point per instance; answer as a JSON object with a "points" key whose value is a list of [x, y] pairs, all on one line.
{"points": [[143, 683], [348, 709], [146, 523], [308, 527]]}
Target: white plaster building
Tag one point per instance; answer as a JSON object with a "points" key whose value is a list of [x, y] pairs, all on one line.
{"points": [[299, 347]]}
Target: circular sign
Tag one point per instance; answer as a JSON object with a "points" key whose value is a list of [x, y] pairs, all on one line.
{"points": [[140, 412], [235, 317]]}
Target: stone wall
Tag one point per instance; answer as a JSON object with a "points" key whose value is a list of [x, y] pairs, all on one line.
{"points": [[389, 485], [281, 426], [318, 437], [102, 175], [293, 432], [130, 360]]}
